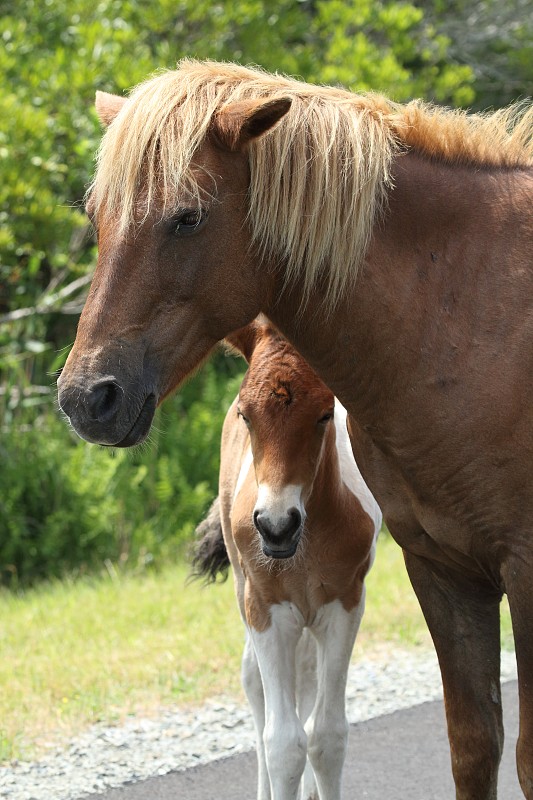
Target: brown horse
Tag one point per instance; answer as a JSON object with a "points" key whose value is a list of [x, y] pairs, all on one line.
{"points": [[392, 246], [299, 525]]}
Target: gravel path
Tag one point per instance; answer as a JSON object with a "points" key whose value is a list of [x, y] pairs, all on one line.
{"points": [[105, 757]]}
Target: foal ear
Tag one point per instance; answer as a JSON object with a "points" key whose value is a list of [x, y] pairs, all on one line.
{"points": [[244, 340], [240, 122], [108, 106]]}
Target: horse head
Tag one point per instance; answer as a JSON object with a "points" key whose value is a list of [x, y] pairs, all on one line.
{"points": [[160, 300], [287, 411]]}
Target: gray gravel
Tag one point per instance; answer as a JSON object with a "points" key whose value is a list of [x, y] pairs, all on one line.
{"points": [[106, 757]]}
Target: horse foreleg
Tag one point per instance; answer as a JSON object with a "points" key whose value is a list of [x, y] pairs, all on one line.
{"points": [[283, 735], [253, 686], [327, 727], [464, 621], [306, 685], [517, 578]]}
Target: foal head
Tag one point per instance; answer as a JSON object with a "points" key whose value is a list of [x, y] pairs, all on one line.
{"points": [[288, 412]]}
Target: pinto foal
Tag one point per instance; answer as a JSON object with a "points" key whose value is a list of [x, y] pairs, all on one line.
{"points": [[299, 525]]}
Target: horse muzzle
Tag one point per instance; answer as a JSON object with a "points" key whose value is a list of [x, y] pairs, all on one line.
{"points": [[103, 412], [280, 535]]}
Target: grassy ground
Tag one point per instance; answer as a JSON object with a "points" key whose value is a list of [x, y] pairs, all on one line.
{"points": [[73, 653]]}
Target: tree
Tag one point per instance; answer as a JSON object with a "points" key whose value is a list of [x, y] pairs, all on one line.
{"points": [[387, 47], [495, 41]]}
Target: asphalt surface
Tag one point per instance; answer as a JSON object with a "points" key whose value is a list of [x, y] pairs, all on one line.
{"points": [[400, 756]]}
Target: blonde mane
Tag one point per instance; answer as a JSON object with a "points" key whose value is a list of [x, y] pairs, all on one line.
{"points": [[322, 174]]}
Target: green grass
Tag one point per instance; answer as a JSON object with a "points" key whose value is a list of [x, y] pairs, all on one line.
{"points": [[73, 653]]}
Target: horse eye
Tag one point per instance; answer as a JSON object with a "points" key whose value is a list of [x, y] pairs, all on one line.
{"points": [[244, 419], [326, 418], [189, 221]]}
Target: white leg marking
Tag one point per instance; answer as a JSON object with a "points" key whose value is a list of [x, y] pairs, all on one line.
{"points": [[327, 728], [253, 686], [306, 688], [284, 737]]}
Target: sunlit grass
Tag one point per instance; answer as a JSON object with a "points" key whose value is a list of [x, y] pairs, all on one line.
{"points": [[73, 653]]}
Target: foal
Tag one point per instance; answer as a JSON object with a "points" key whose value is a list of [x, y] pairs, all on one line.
{"points": [[299, 525]]}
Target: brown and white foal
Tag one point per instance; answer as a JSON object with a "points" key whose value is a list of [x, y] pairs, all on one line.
{"points": [[299, 525]]}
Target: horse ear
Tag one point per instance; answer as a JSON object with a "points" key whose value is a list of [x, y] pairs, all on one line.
{"points": [[244, 340], [108, 106], [240, 122]]}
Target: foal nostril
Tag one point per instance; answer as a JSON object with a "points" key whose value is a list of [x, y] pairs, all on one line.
{"points": [[257, 522], [295, 520], [104, 400]]}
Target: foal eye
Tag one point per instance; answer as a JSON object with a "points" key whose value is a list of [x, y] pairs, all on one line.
{"points": [[244, 419], [188, 221]]}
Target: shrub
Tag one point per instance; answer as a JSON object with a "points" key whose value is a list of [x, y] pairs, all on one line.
{"points": [[69, 506]]}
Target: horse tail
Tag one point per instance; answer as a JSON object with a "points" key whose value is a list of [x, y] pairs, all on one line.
{"points": [[210, 557]]}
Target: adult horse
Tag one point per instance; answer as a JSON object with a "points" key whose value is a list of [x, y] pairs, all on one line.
{"points": [[222, 192]]}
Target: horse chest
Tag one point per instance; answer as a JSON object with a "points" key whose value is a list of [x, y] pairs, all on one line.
{"points": [[307, 593], [325, 569]]}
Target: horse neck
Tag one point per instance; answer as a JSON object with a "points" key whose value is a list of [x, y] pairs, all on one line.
{"points": [[328, 482], [442, 245]]}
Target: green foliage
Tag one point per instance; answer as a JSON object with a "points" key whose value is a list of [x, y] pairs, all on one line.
{"points": [[494, 40], [66, 506], [387, 47]]}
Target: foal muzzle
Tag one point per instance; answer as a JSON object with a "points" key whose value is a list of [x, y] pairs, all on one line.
{"points": [[280, 535]]}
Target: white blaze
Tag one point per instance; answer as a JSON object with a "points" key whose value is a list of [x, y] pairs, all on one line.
{"points": [[274, 504]]}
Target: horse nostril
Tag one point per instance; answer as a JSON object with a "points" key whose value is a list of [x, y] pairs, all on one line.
{"points": [[257, 521], [104, 400], [295, 518]]}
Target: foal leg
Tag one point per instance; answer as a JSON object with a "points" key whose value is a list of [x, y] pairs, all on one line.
{"points": [[306, 686], [253, 686], [464, 621], [284, 737], [327, 728], [517, 578]]}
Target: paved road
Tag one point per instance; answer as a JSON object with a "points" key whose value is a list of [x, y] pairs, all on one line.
{"points": [[400, 756]]}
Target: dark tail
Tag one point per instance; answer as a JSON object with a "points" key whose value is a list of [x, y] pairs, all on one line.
{"points": [[210, 557]]}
